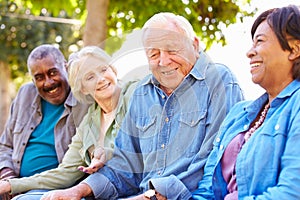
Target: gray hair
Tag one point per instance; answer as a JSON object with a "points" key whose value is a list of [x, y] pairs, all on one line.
{"points": [[44, 51], [77, 65], [180, 22]]}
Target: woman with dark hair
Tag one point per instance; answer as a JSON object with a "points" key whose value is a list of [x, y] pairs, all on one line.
{"points": [[256, 154]]}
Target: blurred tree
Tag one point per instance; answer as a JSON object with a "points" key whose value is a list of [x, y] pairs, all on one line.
{"points": [[71, 24]]}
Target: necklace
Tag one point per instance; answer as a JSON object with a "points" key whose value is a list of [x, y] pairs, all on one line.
{"points": [[258, 123]]}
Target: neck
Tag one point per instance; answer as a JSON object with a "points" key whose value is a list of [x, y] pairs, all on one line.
{"points": [[110, 104]]}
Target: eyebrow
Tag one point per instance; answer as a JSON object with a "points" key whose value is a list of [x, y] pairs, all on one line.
{"points": [[259, 35]]}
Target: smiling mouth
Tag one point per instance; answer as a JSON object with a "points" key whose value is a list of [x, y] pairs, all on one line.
{"points": [[53, 90], [253, 65], [104, 87], [170, 72]]}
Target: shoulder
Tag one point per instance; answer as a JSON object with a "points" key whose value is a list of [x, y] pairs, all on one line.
{"points": [[26, 94], [28, 88], [225, 72]]}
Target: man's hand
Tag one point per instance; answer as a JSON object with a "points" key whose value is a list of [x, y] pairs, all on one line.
{"points": [[74, 193], [98, 161], [4, 187]]}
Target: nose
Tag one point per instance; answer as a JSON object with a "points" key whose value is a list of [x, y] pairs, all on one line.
{"points": [[251, 52], [48, 81], [100, 78], [164, 59]]}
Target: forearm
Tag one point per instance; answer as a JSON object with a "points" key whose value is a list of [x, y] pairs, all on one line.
{"points": [[46, 180], [83, 189]]}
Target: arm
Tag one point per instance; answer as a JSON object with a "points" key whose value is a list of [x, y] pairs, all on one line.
{"points": [[6, 143], [73, 193], [65, 175]]}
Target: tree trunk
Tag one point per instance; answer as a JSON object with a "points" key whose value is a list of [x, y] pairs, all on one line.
{"points": [[5, 94], [95, 26]]}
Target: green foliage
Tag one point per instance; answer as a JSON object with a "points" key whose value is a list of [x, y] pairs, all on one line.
{"points": [[20, 34], [206, 16], [24, 24]]}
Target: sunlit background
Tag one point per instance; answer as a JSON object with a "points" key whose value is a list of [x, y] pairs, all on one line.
{"points": [[233, 55], [238, 42]]}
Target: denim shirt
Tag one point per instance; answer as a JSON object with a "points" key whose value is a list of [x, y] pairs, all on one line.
{"points": [[164, 140], [268, 165], [25, 116]]}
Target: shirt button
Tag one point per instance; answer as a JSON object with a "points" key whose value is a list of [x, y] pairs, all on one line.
{"points": [[159, 172], [163, 96], [167, 119], [277, 127], [218, 139], [162, 146], [221, 147], [245, 127]]}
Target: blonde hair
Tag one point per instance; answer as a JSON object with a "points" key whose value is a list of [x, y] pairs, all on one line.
{"points": [[76, 66]]}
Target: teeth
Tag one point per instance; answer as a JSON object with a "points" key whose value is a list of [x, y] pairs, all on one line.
{"points": [[169, 72], [104, 87], [52, 91], [255, 64]]}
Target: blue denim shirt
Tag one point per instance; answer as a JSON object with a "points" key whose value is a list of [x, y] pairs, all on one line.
{"points": [[164, 141], [268, 166]]}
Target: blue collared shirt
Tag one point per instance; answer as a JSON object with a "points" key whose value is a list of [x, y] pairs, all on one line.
{"points": [[164, 141], [268, 166]]}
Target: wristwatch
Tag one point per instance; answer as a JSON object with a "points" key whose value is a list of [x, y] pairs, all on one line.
{"points": [[150, 194]]}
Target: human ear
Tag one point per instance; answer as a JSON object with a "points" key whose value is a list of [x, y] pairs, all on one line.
{"points": [[295, 53], [196, 44], [83, 91]]}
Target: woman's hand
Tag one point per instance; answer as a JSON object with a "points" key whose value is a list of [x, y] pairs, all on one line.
{"points": [[97, 162]]}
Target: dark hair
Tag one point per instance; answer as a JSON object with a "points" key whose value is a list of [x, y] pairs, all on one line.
{"points": [[284, 22]]}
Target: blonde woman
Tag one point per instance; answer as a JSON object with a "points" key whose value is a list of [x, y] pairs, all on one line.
{"points": [[94, 81]]}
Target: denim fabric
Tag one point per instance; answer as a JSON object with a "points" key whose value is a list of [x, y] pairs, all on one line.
{"points": [[36, 195], [80, 149], [164, 140], [31, 195], [268, 165]]}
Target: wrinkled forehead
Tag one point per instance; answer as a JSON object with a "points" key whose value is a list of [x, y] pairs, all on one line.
{"points": [[164, 38]]}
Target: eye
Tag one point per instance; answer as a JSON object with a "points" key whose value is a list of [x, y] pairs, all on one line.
{"points": [[53, 73], [258, 40], [104, 69], [38, 77], [89, 77], [153, 53]]}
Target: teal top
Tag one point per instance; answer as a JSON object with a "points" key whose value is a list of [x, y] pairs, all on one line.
{"points": [[40, 154], [83, 143]]}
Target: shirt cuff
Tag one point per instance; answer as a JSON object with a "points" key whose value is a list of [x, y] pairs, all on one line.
{"points": [[101, 186], [170, 187]]}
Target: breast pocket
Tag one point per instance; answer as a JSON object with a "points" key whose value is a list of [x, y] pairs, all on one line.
{"points": [[192, 128], [18, 127], [147, 133]]}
